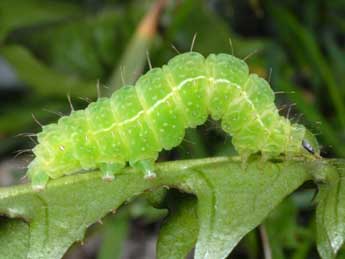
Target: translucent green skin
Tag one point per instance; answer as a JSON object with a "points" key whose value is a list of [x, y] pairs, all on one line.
{"points": [[137, 122]]}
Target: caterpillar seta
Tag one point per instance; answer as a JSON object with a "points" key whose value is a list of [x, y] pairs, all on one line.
{"points": [[137, 122]]}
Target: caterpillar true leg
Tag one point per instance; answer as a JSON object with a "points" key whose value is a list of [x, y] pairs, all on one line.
{"points": [[109, 170], [39, 180], [147, 166]]}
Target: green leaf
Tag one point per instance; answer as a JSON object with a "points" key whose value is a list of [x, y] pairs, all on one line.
{"points": [[337, 58], [44, 80], [231, 201], [116, 227], [179, 232], [281, 228], [19, 13], [284, 232], [115, 233], [308, 51], [134, 58], [132, 63], [87, 47], [14, 238], [330, 213], [181, 31], [19, 114]]}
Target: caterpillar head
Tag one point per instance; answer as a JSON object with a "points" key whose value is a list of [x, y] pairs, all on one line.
{"points": [[310, 144], [303, 142]]}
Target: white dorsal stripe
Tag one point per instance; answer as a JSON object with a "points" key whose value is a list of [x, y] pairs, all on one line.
{"points": [[175, 89]]}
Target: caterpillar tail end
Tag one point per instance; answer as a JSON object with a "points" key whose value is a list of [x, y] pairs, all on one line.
{"points": [[146, 166], [109, 170]]}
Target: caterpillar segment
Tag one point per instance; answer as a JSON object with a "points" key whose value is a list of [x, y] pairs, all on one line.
{"points": [[137, 122]]}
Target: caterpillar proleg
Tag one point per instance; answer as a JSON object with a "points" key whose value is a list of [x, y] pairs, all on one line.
{"points": [[137, 122]]}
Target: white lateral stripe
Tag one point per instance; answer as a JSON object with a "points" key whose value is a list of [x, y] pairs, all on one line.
{"points": [[183, 83], [153, 107], [245, 97], [221, 80]]}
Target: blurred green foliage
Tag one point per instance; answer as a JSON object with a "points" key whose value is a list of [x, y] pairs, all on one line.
{"points": [[65, 47]]}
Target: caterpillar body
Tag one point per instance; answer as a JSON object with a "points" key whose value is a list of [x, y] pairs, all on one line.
{"points": [[137, 122]]}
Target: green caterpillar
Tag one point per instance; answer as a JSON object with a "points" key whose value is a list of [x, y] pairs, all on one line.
{"points": [[137, 122]]}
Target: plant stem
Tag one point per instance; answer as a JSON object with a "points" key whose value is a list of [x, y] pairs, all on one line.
{"points": [[265, 242]]}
